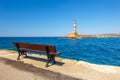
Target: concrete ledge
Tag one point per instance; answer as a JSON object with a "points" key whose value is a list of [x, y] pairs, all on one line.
{"points": [[76, 69]]}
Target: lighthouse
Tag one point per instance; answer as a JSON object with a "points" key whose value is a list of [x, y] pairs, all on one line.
{"points": [[74, 26], [73, 34]]}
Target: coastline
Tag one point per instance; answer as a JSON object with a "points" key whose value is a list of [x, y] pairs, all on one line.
{"points": [[77, 69], [24, 71]]}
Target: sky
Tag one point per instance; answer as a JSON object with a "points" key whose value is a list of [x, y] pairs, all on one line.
{"points": [[36, 18]]}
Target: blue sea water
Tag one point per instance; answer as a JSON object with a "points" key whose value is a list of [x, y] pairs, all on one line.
{"points": [[94, 50]]}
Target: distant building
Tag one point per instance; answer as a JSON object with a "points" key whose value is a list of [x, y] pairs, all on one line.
{"points": [[75, 35]]}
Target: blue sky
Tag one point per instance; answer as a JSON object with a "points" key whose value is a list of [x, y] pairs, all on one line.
{"points": [[55, 17]]}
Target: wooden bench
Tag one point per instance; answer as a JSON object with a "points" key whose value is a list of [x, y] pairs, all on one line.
{"points": [[49, 50]]}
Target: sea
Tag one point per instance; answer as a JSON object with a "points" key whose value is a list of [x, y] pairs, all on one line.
{"points": [[105, 51]]}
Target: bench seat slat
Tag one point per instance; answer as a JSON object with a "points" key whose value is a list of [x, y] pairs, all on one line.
{"points": [[38, 51], [55, 53], [23, 49], [32, 50]]}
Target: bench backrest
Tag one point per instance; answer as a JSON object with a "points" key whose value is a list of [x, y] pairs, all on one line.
{"points": [[37, 47], [49, 49], [31, 47], [20, 45]]}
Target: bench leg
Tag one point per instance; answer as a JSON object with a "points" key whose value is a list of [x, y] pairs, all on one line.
{"points": [[53, 59], [19, 54], [25, 53], [47, 65], [48, 56]]}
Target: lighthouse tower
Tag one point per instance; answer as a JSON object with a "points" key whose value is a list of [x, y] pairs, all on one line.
{"points": [[73, 34], [74, 26]]}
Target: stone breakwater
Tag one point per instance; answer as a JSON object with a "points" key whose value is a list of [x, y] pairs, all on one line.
{"points": [[77, 69]]}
